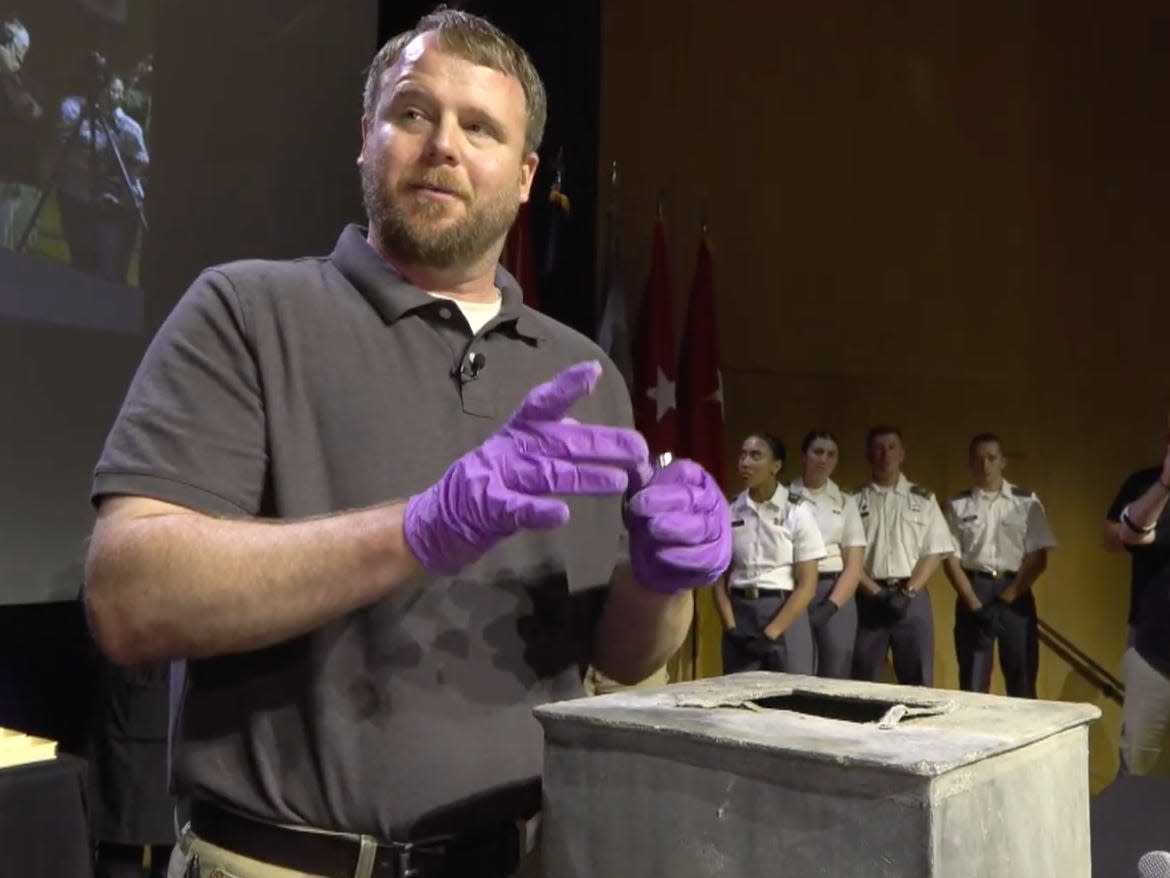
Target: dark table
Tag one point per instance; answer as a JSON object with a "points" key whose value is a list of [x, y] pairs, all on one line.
{"points": [[44, 831], [1129, 817]]}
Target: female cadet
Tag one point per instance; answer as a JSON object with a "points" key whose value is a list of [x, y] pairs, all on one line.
{"points": [[773, 573], [833, 611]]}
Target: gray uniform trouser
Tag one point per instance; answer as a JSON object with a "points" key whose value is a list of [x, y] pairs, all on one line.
{"points": [[1017, 634], [833, 641], [792, 651], [910, 637]]}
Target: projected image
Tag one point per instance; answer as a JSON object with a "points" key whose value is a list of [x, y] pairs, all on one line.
{"points": [[75, 108]]}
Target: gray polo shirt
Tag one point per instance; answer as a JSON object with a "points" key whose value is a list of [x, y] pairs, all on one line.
{"points": [[293, 389]]}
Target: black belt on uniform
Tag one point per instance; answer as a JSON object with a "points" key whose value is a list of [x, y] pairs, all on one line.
{"points": [[991, 574], [492, 853], [754, 592], [892, 583]]}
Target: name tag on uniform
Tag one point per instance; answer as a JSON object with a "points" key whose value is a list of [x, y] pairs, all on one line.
{"points": [[737, 523]]}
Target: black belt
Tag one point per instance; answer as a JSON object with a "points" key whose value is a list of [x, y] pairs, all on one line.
{"points": [[492, 853], [754, 592], [991, 574], [892, 583]]}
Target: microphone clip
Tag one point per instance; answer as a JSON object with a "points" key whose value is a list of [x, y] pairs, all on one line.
{"points": [[470, 367]]}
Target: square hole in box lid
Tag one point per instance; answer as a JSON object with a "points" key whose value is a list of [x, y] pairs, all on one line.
{"points": [[849, 708]]}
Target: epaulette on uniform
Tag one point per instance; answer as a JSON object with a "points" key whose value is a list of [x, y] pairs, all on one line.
{"points": [[921, 491], [1017, 491]]}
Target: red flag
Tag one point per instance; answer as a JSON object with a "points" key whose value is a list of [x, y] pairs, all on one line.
{"points": [[653, 354], [519, 257], [700, 425], [700, 382]]}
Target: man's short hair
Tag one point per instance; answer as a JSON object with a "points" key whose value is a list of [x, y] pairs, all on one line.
{"points": [[882, 430], [476, 40], [981, 439]]}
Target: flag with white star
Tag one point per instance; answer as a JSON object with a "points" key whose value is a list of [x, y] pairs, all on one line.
{"points": [[655, 414]]}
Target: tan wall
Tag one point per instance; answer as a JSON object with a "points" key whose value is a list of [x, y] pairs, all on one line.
{"points": [[943, 214]]}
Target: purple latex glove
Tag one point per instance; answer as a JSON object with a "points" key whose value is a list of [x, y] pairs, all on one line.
{"points": [[503, 485], [680, 528]]}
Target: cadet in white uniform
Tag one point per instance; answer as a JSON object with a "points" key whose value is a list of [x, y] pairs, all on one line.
{"points": [[907, 537], [773, 573], [833, 612], [1002, 540]]}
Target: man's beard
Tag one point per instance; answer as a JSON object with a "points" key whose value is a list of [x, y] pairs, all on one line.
{"points": [[415, 230]]}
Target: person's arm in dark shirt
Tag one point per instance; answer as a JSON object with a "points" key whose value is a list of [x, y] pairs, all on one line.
{"points": [[1139, 483], [1139, 519]]}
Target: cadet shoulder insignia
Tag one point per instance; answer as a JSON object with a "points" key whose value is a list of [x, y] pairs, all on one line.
{"points": [[1022, 492], [920, 491]]}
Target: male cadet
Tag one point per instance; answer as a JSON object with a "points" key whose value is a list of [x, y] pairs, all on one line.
{"points": [[907, 536], [1002, 540]]}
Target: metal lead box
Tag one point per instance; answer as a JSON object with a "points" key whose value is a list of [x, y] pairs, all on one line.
{"points": [[780, 775]]}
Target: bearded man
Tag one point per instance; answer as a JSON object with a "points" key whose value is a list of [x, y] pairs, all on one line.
{"points": [[333, 490]]}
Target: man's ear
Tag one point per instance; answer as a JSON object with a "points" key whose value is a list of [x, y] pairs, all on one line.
{"points": [[527, 174], [365, 133]]}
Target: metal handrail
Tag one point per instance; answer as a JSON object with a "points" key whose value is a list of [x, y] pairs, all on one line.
{"points": [[1083, 663]]}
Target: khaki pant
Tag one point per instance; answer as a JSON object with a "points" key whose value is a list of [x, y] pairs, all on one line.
{"points": [[17, 202], [596, 683], [216, 862], [1145, 718]]}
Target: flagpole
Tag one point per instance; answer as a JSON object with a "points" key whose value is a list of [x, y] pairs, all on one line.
{"points": [[610, 235]]}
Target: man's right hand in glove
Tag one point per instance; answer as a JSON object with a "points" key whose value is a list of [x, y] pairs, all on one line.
{"points": [[755, 645], [505, 484], [896, 600], [760, 646], [738, 637], [987, 617]]}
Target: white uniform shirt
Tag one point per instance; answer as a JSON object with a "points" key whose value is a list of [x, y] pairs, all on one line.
{"points": [[768, 538], [994, 531], [837, 519], [902, 524]]}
